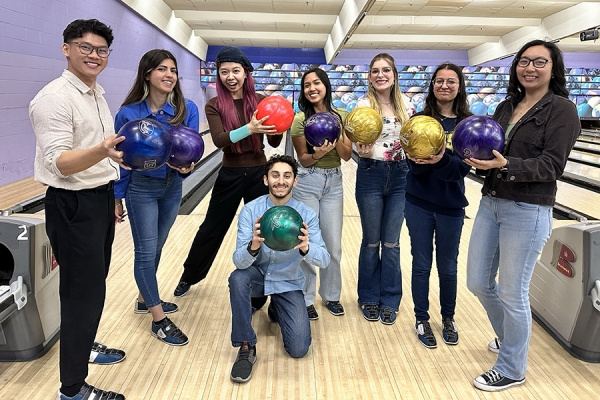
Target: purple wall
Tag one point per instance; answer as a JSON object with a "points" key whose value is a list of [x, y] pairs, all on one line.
{"points": [[30, 57]]}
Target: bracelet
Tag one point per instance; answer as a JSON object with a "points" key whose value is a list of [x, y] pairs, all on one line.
{"points": [[313, 157]]}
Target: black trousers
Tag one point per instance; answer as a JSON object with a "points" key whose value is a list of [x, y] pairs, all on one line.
{"points": [[81, 228], [233, 185]]}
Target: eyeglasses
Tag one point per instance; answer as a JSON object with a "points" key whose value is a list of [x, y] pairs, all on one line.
{"points": [[376, 71], [88, 49], [449, 82], [537, 63]]}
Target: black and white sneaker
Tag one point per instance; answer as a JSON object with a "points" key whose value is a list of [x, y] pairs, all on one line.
{"points": [[425, 334], [169, 333], [493, 381], [494, 346], [103, 355], [242, 367], [449, 331], [88, 392]]}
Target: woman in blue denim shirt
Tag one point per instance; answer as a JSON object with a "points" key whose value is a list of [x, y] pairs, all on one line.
{"points": [[380, 184], [320, 187], [153, 197], [435, 207], [514, 219]]}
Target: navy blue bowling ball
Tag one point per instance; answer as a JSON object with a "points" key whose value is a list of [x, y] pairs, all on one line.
{"points": [[320, 127], [147, 144]]}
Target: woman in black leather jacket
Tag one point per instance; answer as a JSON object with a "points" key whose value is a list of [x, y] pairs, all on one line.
{"points": [[514, 219]]}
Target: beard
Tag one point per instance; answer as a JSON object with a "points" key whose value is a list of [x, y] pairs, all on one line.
{"points": [[279, 196]]}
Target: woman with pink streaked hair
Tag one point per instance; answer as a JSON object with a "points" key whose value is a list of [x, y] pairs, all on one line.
{"points": [[236, 130]]}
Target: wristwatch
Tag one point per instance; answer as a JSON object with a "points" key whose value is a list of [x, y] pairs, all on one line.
{"points": [[505, 168], [253, 253]]}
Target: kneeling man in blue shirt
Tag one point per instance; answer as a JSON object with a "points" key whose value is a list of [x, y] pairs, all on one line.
{"points": [[261, 271]]}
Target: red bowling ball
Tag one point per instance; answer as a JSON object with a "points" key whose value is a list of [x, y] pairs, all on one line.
{"points": [[476, 136], [279, 110]]}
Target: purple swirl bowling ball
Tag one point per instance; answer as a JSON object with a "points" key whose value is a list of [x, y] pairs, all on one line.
{"points": [[320, 127], [476, 136], [147, 144], [188, 146]]}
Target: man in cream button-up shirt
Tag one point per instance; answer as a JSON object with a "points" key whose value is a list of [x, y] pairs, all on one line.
{"points": [[77, 159]]}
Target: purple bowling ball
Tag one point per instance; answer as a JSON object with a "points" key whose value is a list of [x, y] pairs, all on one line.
{"points": [[147, 144], [188, 146], [476, 136], [320, 127]]}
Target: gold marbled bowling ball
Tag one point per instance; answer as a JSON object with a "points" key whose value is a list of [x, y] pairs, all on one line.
{"points": [[422, 136], [363, 125]]}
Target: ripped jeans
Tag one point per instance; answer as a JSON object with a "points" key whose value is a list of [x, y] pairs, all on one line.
{"points": [[380, 187]]}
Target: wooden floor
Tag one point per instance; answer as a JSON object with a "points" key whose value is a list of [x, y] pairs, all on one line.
{"points": [[350, 358]]}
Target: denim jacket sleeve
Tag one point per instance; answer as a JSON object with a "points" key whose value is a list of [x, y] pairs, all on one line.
{"points": [[241, 257]]}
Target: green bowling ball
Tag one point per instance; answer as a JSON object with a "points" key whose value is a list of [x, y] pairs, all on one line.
{"points": [[280, 227]]}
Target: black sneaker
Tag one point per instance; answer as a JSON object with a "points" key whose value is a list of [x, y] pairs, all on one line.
{"points": [[271, 314], [88, 392], [449, 331], [182, 289], [425, 334], [169, 333], [334, 307], [313, 315], [258, 303], [242, 367], [493, 381]]}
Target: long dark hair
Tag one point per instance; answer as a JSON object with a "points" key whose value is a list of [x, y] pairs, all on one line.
{"points": [[460, 107], [516, 91], [305, 105], [229, 114], [141, 88]]}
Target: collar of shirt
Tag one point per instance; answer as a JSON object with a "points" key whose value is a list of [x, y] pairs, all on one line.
{"points": [[78, 83]]}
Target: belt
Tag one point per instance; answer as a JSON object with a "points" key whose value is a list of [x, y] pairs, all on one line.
{"points": [[103, 188]]}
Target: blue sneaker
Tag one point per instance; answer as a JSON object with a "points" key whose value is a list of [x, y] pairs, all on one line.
{"points": [[141, 308], [370, 312], [169, 333], [334, 307], [182, 289], [387, 316], [88, 392], [103, 355], [425, 334]]}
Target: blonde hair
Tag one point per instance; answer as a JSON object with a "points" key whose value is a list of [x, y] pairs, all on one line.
{"points": [[396, 96]]}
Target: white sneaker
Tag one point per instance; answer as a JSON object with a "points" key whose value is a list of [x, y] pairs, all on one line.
{"points": [[494, 346]]}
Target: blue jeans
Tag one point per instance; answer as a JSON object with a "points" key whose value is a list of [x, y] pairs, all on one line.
{"points": [[289, 308], [152, 204], [380, 187], [422, 226], [506, 241], [322, 190]]}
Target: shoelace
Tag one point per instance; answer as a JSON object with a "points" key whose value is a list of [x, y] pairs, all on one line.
{"points": [[336, 304], [371, 309], [492, 376], [427, 332], [244, 354], [172, 329]]}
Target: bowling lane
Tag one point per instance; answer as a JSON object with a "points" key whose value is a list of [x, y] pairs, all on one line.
{"points": [[585, 157], [583, 170], [583, 146]]}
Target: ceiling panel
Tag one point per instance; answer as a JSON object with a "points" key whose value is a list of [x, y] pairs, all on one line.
{"points": [[287, 23]]}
